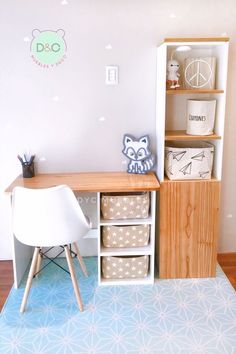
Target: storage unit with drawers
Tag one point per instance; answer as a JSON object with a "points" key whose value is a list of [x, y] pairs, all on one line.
{"points": [[126, 240]]}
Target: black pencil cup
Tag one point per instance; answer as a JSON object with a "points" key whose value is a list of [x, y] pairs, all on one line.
{"points": [[28, 170]]}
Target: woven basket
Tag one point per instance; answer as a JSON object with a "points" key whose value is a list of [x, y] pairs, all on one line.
{"points": [[125, 236], [125, 206], [125, 267]]}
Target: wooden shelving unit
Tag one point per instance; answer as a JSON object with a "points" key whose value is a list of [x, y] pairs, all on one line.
{"points": [[189, 209], [179, 135], [212, 180], [192, 91], [199, 40]]}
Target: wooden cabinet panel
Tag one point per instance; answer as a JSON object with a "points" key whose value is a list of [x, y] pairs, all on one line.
{"points": [[189, 218]]}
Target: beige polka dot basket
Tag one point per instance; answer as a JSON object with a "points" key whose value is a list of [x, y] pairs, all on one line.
{"points": [[125, 236], [125, 206], [125, 267]]}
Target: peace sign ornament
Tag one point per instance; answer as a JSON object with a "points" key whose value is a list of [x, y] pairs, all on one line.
{"points": [[200, 73]]}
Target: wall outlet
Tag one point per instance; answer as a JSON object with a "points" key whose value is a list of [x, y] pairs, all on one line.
{"points": [[112, 75]]}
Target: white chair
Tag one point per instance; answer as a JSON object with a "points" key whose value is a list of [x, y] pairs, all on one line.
{"points": [[49, 217]]}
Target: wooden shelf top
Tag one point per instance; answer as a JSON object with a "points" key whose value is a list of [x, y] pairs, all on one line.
{"points": [[91, 181], [197, 39], [211, 180], [192, 91], [181, 135]]}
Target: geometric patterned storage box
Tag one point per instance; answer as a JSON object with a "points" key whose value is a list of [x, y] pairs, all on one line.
{"points": [[125, 267], [192, 160], [125, 206], [125, 236]]}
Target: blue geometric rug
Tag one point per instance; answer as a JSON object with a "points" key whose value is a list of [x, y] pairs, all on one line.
{"points": [[172, 316]]}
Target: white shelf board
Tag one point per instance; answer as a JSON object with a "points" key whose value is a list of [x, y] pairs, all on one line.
{"points": [[131, 281], [104, 222], [126, 251]]}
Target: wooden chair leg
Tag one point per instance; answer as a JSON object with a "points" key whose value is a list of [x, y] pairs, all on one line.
{"points": [[73, 278], [38, 264], [30, 277], [80, 259]]}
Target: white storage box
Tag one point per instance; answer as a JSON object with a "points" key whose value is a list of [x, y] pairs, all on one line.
{"points": [[200, 117], [125, 206], [125, 267], [125, 235], [189, 160]]}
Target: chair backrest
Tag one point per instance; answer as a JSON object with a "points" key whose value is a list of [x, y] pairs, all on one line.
{"points": [[47, 217]]}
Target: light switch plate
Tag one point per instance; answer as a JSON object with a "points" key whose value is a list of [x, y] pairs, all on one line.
{"points": [[112, 75]]}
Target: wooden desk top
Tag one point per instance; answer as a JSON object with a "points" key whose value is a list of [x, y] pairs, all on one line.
{"points": [[91, 181]]}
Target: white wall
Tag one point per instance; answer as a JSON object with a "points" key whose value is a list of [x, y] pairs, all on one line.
{"points": [[55, 113]]}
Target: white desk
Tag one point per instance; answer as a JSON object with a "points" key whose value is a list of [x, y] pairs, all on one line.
{"points": [[92, 182]]}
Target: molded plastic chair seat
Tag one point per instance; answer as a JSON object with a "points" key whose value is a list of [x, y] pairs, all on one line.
{"points": [[46, 218]]}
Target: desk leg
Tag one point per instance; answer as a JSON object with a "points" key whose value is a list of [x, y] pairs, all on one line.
{"points": [[22, 255]]}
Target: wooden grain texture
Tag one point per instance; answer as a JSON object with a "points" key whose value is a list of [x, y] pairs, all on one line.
{"points": [[91, 181], [181, 135], [212, 180], [189, 215], [227, 259], [197, 39], [227, 262], [192, 91], [6, 280]]}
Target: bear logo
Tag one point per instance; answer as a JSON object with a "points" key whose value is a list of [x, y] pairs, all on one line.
{"points": [[48, 48]]}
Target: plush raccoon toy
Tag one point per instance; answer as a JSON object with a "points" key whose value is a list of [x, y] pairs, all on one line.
{"points": [[141, 159]]}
